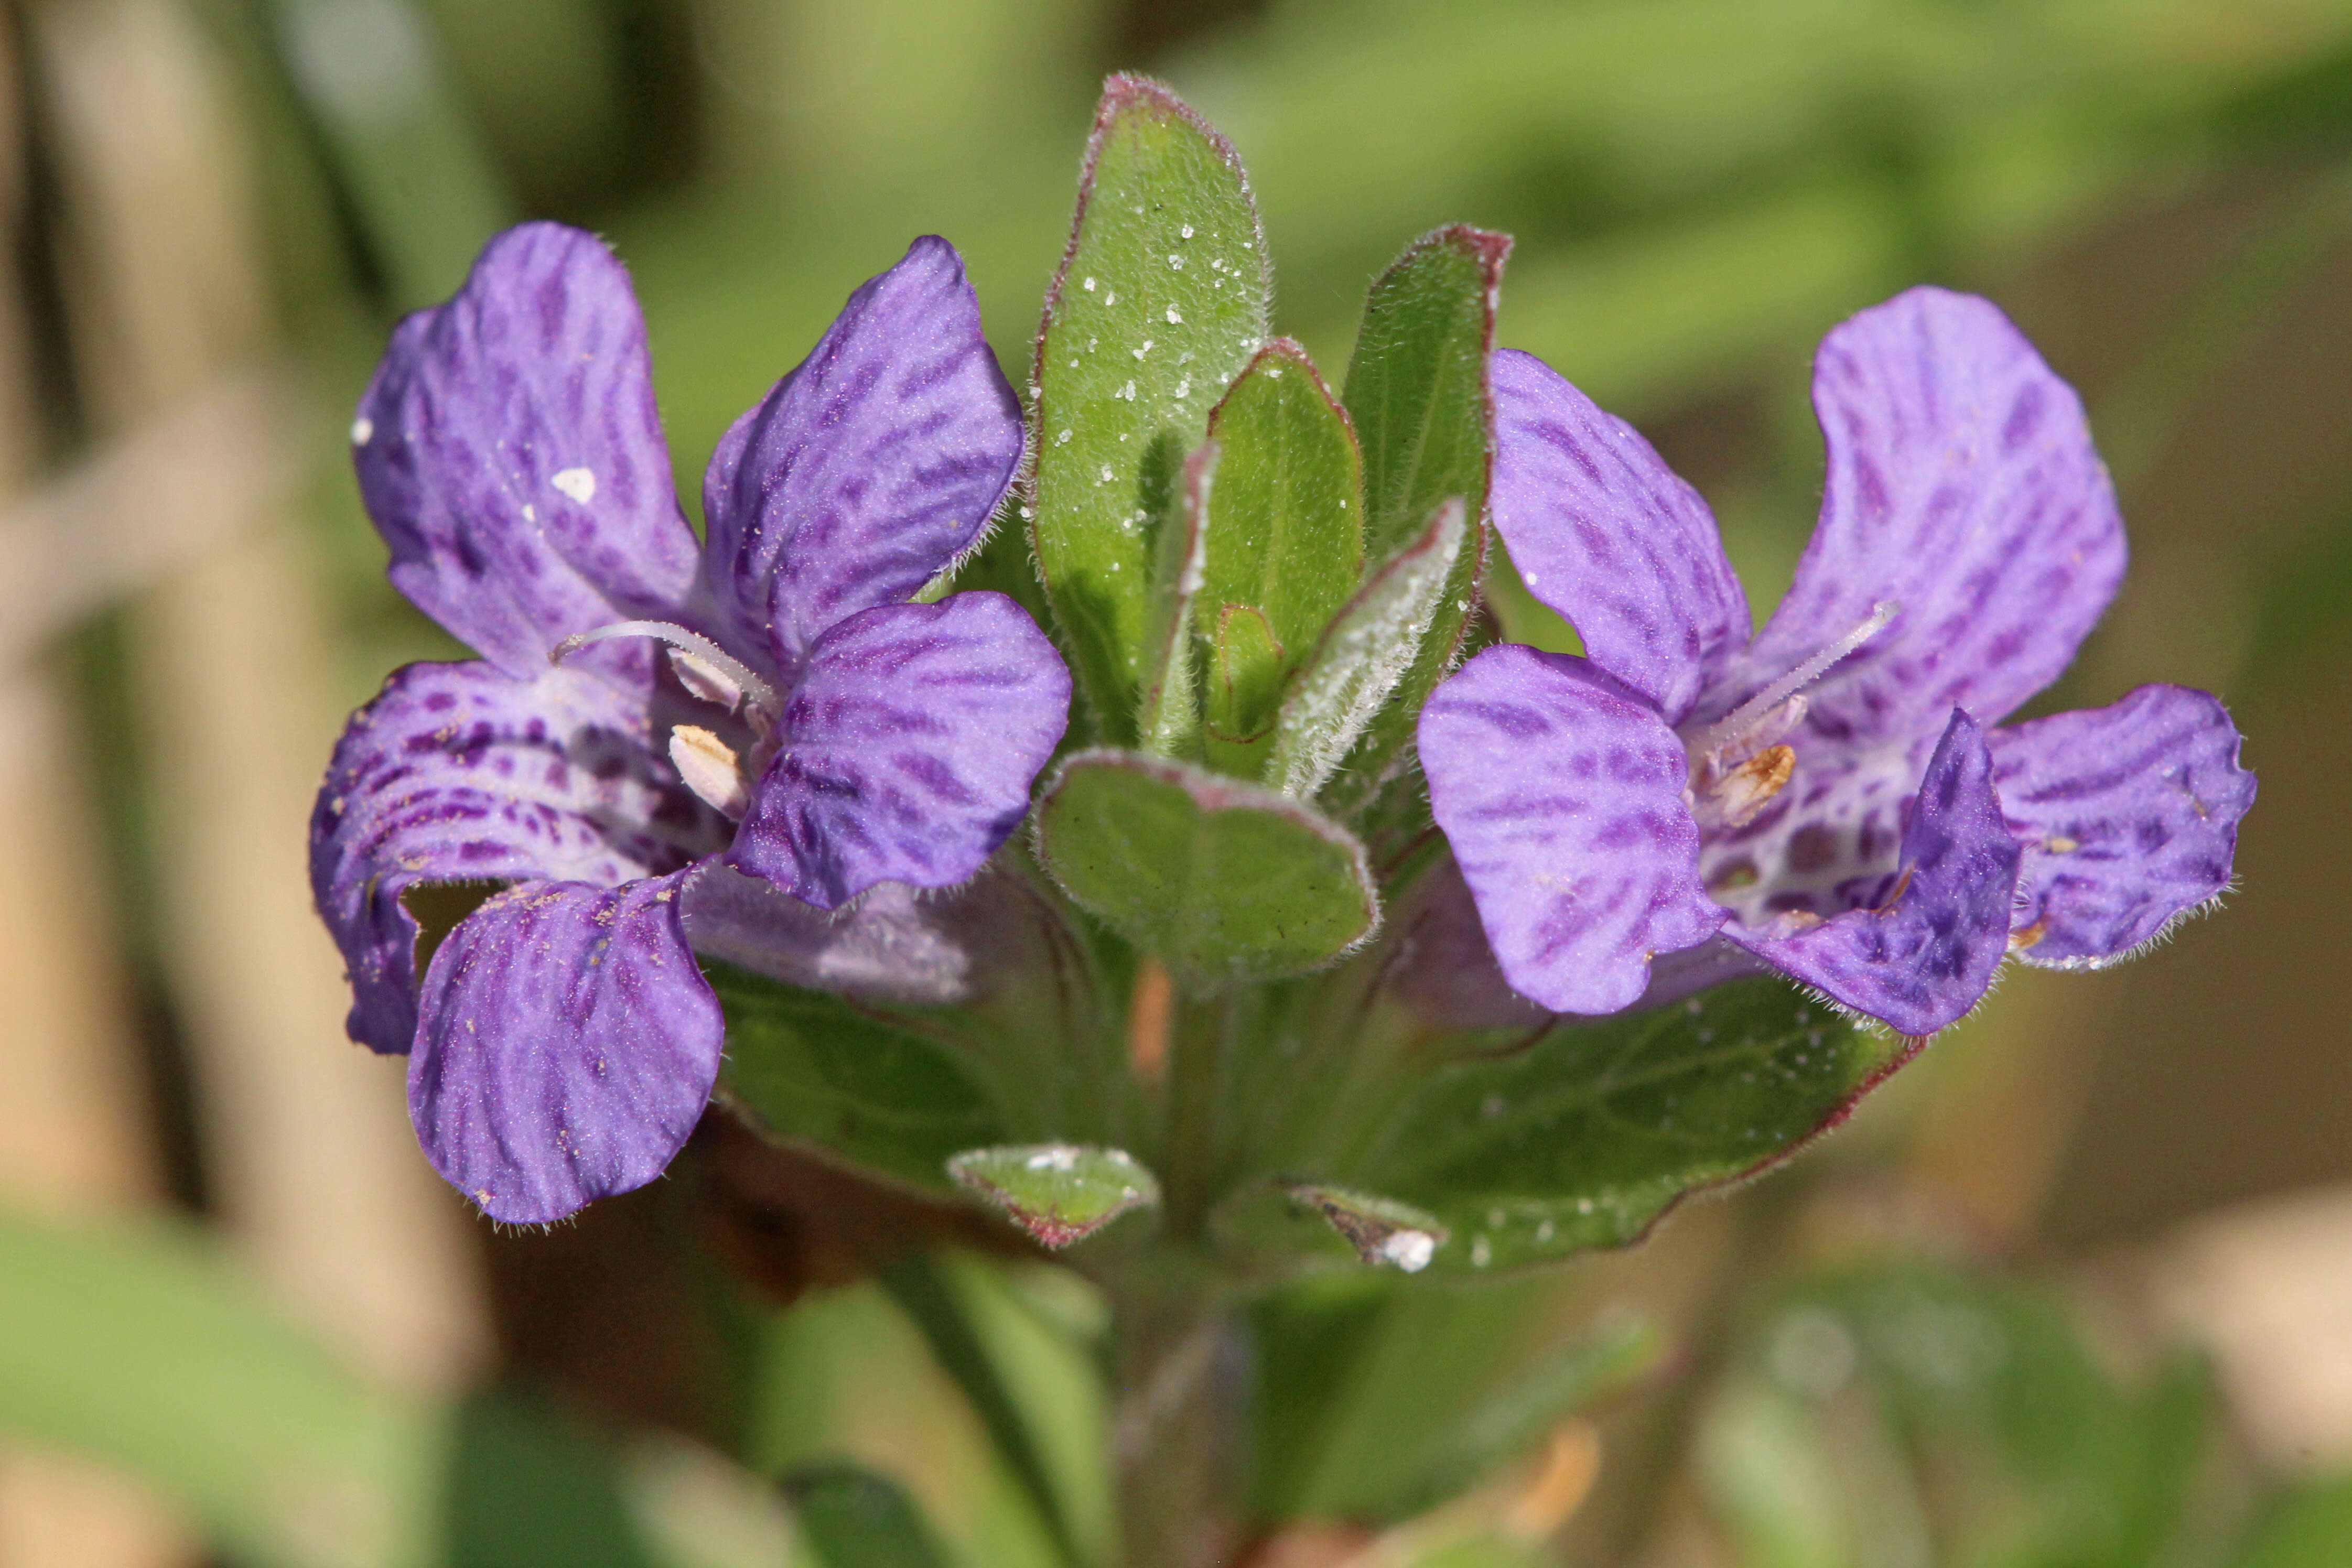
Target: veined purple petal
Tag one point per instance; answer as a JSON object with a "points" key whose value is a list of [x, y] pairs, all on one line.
{"points": [[1963, 488], [509, 452], [1924, 955], [1602, 531], [869, 468], [1562, 793], [2129, 816], [567, 1044], [910, 746], [890, 944], [458, 773]]}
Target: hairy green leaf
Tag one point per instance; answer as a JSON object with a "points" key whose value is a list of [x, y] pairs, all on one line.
{"points": [[1160, 301], [1417, 393], [1363, 655], [1585, 1136], [1058, 1193], [1221, 880], [875, 1089]]}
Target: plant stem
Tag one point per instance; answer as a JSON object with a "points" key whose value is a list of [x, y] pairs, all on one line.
{"points": [[1175, 1429], [1176, 1424]]}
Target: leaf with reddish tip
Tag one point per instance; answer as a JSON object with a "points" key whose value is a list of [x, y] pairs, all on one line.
{"points": [[1058, 1193], [1417, 393], [1160, 301]]}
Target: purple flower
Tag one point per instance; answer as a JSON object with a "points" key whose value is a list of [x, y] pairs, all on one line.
{"points": [[645, 712], [1829, 796]]}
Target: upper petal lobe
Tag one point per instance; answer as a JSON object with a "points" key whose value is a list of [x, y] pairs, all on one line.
{"points": [[459, 773], [869, 468], [567, 1045], [908, 749], [509, 452], [1921, 959], [1963, 488], [1562, 796], [1604, 532], [2129, 816]]}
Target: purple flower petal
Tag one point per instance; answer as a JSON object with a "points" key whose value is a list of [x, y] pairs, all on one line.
{"points": [[869, 468], [566, 1048], [1923, 956], [509, 452], [908, 749], [1963, 488], [1602, 531], [458, 773], [890, 944], [2129, 816], [1562, 795]]}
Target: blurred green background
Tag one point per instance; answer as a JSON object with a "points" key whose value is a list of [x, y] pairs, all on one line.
{"points": [[231, 1279]]}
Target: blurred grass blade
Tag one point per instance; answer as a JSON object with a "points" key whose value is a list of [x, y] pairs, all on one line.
{"points": [[142, 1347], [930, 1300], [402, 148]]}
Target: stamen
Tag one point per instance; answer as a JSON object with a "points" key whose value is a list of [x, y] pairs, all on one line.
{"points": [[700, 648], [1733, 726], [708, 765]]}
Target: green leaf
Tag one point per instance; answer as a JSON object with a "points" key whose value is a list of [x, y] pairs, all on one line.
{"points": [[851, 1518], [1417, 385], [1160, 301], [939, 1313], [875, 1089], [1168, 722], [1285, 528], [1363, 655], [530, 1490], [1512, 1419], [1221, 880], [143, 1347], [1245, 671], [1058, 1193], [1417, 393], [2311, 1528], [1585, 1137]]}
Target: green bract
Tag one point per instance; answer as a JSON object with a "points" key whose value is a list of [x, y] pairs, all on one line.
{"points": [[1160, 301], [1220, 881]]}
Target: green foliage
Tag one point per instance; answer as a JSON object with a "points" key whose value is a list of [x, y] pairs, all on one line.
{"points": [[1058, 1193], [527, 1489], [851, 1518], [145, 1348], [1904, 1413], [2310, 1528], [1365, 651], [1417, 393], [875, 1089], [1582, 1138], [1283, 545], [1222, 881], [1160, 303]]}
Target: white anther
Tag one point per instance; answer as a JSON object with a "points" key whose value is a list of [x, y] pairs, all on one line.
{"points": [[708, 765], [1719, 738], [716, 664]]}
